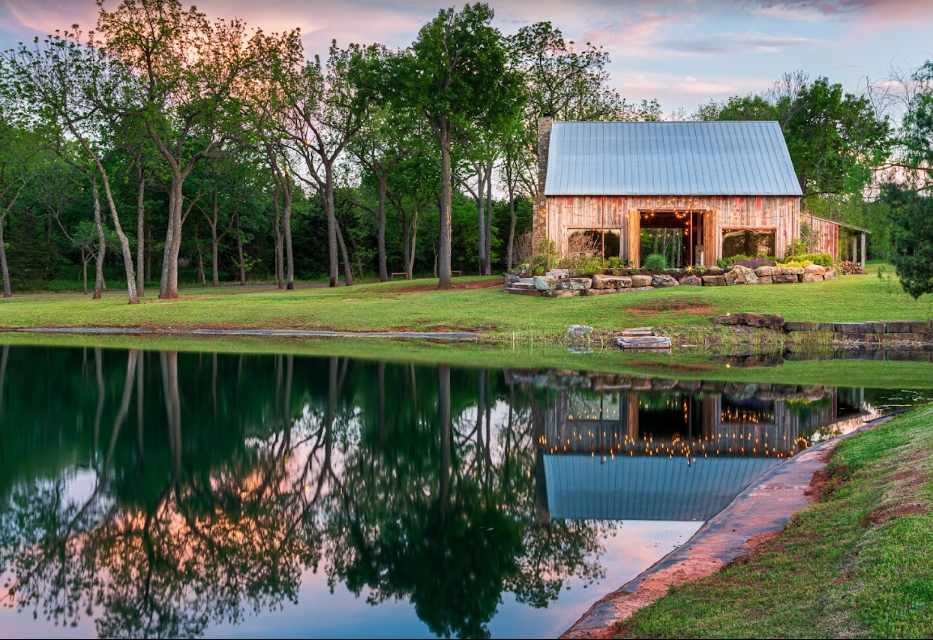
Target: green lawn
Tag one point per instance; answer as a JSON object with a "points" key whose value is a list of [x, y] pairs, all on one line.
{"points": [[857, 565], [498, 315]]}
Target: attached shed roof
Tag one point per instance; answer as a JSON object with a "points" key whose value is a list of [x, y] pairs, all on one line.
{"points": [[669, 159]]}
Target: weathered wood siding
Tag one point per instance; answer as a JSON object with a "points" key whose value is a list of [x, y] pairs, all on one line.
{"points": [[565, 214], [825, 235]]}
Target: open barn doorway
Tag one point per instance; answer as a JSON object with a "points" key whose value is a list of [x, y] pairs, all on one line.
{"points": [[677, 235]]}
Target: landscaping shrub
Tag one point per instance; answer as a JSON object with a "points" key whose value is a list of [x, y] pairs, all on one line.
{"points": [[655, 263], [796, 263]]}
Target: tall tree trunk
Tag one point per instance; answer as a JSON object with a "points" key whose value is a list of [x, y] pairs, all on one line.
{"points": [[489, 220], [99, 273], [410, 267], [289, 254], [215, 255], [277, 234], [149, 253], [347, 267], [331, 224], [510, 260], [444, 246], [83, 268], [480, 215], [140, 236], [239, 251], [7, 290], [200, 278], [381, 235], [168, 284]]}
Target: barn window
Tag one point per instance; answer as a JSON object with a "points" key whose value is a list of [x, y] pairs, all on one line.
{"points": [[747, 242]]}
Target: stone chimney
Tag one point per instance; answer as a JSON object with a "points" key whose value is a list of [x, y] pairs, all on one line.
{"points": [[539, 225]]}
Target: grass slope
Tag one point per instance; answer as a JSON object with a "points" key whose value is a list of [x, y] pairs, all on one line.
{"points": [[395, 306], [858, 564]]}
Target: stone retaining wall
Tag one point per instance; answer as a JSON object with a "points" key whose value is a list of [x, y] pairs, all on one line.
{"points": [[558, 286]]}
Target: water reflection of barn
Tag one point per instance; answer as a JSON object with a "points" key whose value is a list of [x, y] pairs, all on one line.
{"points": [[616, 447]]}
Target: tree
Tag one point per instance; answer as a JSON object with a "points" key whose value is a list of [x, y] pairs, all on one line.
{"points": [[191, 75], [327, 107], [411, 188], [836, 139], [383, 143], [456, 77], [18, 165], [912, 215], [73, 88]]}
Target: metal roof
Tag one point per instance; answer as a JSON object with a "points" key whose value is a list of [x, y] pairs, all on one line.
{"points": [[646, 487], [669, 159]]}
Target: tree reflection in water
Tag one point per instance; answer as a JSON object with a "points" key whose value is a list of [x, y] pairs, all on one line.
{"points": [[243, 472]]}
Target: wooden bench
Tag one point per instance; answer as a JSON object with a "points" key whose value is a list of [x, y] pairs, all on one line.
{"points": [[459, 273], [399, 273]]}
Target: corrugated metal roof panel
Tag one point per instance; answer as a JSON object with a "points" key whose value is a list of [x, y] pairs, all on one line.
{"points": [[646, 487], [669, 159]]}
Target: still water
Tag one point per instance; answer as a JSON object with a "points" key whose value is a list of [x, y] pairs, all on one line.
{"points": [[164, 494]]}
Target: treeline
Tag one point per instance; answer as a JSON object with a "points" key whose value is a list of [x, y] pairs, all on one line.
{"points": [[163, 140], [171, 146]]}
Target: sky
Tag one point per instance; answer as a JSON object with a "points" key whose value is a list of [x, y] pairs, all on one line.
{"points": [[682, 53]]}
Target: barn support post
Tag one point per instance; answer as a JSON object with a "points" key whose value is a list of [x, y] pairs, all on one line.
{"points": [[864, 243]]}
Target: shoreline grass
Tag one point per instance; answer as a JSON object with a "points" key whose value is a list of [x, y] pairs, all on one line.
{"points": [[857, 564], [842, 373]]}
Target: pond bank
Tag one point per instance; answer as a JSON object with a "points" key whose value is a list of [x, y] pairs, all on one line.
{"points": [[865, 546]]}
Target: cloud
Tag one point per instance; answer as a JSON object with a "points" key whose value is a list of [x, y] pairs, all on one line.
{"points": [[865, 14], [738, 43]]}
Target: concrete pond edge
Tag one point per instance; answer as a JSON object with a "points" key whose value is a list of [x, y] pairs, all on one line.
{"points": [[761, 510]]}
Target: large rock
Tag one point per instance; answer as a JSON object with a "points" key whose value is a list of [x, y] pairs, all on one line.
{"points": [[784, 279], [811, 277], [659, 282], [741, 275], [714, 281], [764, 321], [611, 282], [830, 274], [766, 271], [580, 284], [714, 271], [814, 269], [641, 281], [545, 284], [792, 271], [692, 280], [765, 279]]}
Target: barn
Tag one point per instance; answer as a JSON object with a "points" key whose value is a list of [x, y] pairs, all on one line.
{"points": [[717, 188]]}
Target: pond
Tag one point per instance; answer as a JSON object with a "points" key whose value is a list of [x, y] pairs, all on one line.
{"points": [[165, 494]]}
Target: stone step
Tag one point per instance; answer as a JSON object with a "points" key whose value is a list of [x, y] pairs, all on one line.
{"points": [[643, 342]]}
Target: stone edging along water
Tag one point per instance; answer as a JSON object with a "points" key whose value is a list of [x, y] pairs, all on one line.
{"points": [[763, 508], [286, 333]]}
